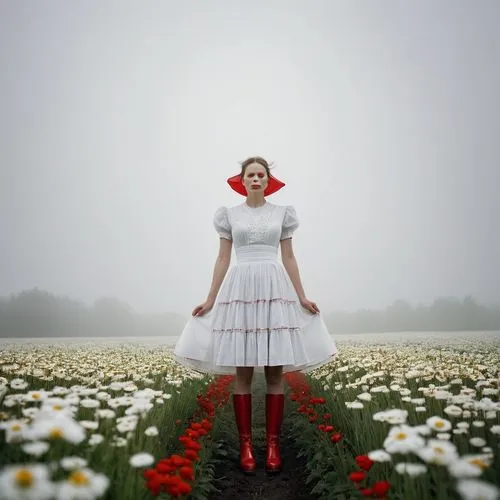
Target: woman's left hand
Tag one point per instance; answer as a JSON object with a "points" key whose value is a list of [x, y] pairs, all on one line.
{"points": [[309, 305]]}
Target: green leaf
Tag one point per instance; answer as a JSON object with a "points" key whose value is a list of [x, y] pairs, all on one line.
{"points": [[319, 488]]}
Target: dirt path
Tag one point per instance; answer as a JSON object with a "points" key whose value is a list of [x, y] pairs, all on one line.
{"points": [[233, 484]]}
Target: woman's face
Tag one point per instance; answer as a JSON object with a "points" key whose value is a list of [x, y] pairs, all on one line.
{"points": [[255, 178]]}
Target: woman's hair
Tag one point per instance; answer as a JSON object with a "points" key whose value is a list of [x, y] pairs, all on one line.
{"points": [[255, 159]]}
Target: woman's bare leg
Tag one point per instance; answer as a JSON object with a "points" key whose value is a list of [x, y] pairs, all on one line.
{"points": [[243, 382], [274, 379]]}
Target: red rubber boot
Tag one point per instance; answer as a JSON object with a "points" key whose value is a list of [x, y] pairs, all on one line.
{"points": [[243, 413], [274, 417]]}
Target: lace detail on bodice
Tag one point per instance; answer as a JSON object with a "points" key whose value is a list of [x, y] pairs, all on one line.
{"points": [[264, 225], [258, 226]]}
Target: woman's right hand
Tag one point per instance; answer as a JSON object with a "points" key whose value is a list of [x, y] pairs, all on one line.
{"points": [[203, 308]]}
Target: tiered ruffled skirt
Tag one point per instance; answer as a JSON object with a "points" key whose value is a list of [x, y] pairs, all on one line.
{"points": [[256, 321]]}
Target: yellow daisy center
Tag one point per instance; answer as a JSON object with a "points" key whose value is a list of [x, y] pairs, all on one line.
{"points": [[480, 463], [15, 427], [24, 478], [438, 450], [36, 395], [439, 423], [57, 407], [79, 478], [401, 435], [56, 433]]}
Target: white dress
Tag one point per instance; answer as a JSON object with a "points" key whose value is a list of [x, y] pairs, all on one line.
{"points": [[257, 319]]}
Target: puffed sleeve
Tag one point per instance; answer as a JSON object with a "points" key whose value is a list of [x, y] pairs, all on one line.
{"points": [[221, 223], [290, 223]]}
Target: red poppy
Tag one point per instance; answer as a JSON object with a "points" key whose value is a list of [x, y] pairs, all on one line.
{"points": [[177, 460], [192, 455], [364, 462], [380, 488], [357, 476], [366, 492], [192, 445], [187, 473], [336, 437], [165, 468]]}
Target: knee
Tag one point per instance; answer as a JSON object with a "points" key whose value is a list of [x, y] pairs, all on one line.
{"points": [[244, 376], [274, 376]]}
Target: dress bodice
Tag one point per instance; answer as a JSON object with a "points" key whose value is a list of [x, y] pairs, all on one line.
{"points": [[264, 225]]}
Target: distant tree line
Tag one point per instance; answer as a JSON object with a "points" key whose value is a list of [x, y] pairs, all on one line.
{"points": [[445, 314], [38, 313]]}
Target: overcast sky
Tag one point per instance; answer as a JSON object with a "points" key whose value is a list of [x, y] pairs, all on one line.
{"points": [[120, 122]]}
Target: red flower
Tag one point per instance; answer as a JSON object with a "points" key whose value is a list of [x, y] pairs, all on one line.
{"points": [[206, 424], [184, 488], [364, 462], [380, 488], [328, 428], [192, 445], [315, 401], [191, 455], [357, 476], [327, 416], [149, 473], [165, 468], [336, 437], [366, 492], [177, 460], [187, 473]]}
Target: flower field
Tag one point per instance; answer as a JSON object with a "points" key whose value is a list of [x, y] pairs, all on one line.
{"points": [[406, 422], [89, 422], [127, 422]]}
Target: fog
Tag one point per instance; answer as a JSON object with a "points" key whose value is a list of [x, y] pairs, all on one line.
{"points": [[121, 121]]}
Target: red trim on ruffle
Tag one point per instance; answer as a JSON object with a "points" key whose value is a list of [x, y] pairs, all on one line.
{"points": [[287, 301], [252, 330]]}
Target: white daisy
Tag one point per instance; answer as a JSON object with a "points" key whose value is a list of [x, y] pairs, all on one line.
{"points": [[151, 431], [72, 463], [60, 428], [474, 489], [82, 484], [438, 424], [469, 465], [356, 405], [141, 460], [403, 439], [477, 442], [26, 482], [394, 416], [18, 384], [412, 469], [89, 403], [438, 452], [379, 456], [35, 448]]}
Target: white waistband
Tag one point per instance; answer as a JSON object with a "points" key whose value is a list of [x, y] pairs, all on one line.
{"points": [[256, 253]]}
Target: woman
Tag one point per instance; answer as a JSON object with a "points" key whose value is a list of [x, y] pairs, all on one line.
{"points": [[258, 316]]}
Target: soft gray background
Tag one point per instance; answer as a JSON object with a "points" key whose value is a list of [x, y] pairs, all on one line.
{"points": [[120, 122]]}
